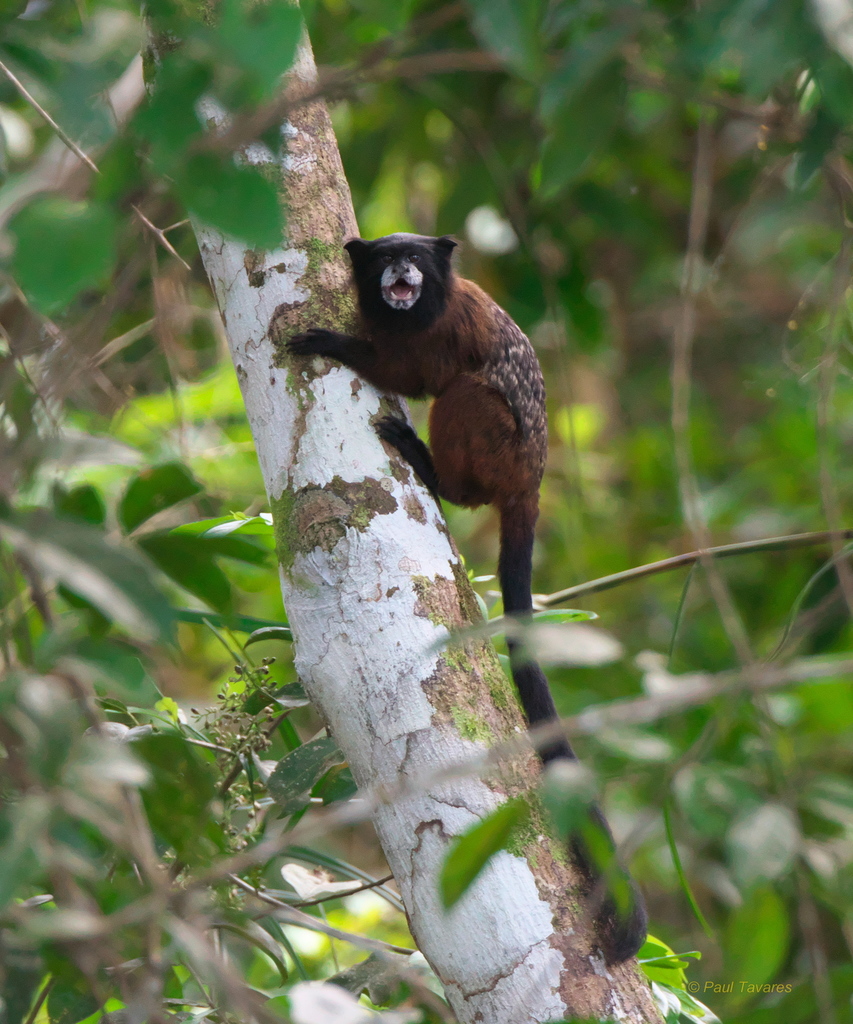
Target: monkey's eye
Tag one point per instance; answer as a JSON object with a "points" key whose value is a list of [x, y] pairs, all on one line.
{"points": [[387, 259], [414, 258]]}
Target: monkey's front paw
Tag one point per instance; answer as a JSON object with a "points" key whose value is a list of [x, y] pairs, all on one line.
{"points": [[395, 431], [316, 341]]}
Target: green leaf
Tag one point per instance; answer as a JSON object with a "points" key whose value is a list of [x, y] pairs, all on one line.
{"points": [[26, 821], [116, 669], [69, 1004], [337, 784], [660, 963], [291, 695], [757, 937], [580, 63], [567, 790], [169, 707], [178, 798], [239, 623], [270, 633], [114, 579], [298, 772], [816, 146], [682, 1006], [834, 77], [252, 549], [21, 980], [222, 526], [83, 502], [10, 9], [237, 201], [580, 128], [564, 615], [169, 120], [190, 563], [512, 30], [153, 490], [261, 38], [61, 248], [568, 793], [272, 926], [471, 852]]}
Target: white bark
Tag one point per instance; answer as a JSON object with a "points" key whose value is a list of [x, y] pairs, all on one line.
{"points": [[371, 582]]}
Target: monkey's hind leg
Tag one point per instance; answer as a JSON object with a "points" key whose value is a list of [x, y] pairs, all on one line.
{"points": [[401, 436]]}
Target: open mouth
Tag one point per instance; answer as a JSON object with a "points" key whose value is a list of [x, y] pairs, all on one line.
{"points": [[401, 294], [402, 290]]}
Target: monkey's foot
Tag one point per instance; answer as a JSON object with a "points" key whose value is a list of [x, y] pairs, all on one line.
{"points": [[400, 435]]}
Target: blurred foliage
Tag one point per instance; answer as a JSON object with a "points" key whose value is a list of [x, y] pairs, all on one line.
{"points": [[145, 743]]}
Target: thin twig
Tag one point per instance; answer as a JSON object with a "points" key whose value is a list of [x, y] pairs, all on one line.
{"points": [[682, 355], [276, 722], [34, 103], [161, 237], [228, 781], [826, 399], [701, 689], [301, 920], [616, 579], [122, 342], [39, 1003], [335, 82], [38, 595], [810, 928], [210, 746], [340, 895]]}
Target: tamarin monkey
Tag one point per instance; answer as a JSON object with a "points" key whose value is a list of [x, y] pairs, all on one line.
{"points": [[426, 331]]}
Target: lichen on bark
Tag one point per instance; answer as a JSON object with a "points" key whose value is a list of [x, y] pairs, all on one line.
{"points": [[318, 517]]}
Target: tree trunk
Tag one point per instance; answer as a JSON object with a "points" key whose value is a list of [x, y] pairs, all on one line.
{"points": [[371, 583]]}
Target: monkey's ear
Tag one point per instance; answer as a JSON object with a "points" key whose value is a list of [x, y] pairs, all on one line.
{"points": [[446, 242], [357, 248]]}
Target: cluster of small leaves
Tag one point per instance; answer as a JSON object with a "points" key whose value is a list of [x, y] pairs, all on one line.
{"points": [[120, 808]]}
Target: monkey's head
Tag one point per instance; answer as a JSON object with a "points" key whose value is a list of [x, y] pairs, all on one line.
{"points": [[402, 279]]}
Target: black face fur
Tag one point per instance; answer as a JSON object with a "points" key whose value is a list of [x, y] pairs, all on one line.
{"points": [[402, 280]]}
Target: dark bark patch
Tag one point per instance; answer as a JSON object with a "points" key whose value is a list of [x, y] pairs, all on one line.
{"points": [[365, 499], [320, 516], [254, 262], [414, 509], [319, 519]]}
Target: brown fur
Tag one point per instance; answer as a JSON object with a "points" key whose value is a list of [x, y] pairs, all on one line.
{"points": [[476, 449], [480, 454]]}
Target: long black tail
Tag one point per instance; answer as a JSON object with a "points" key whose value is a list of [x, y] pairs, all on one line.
{"points": [[621, 916]]}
